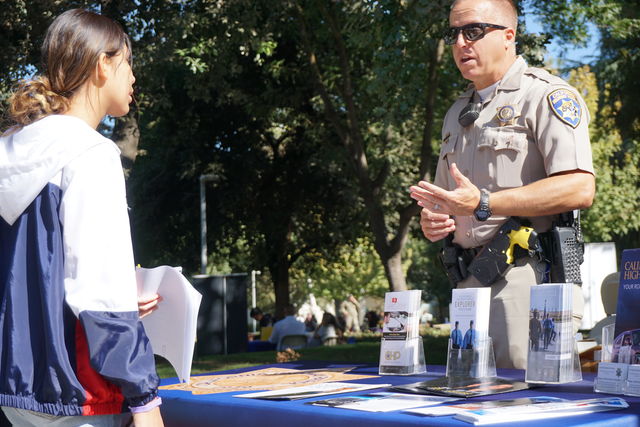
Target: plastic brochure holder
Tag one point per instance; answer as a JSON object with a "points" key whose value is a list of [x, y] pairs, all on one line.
{"points": [[607, 343], [632, 384], [617, 378], [559, 372], [611, 376], [402, 357], [476, 362]]}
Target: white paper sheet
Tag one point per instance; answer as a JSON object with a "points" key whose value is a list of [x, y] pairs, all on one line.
{"points": [[172, 327], [314, 390], [387, 402]]}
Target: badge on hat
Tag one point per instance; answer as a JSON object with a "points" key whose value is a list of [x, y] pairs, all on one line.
{"points": [[506, 115], [566, 106]]}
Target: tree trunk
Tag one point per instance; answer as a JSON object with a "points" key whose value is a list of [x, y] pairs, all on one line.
{"points": [[394, 273], [126, 135], [280, 275]]}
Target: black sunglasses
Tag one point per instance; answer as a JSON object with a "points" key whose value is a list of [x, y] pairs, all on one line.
{"points": [[471, 32]]}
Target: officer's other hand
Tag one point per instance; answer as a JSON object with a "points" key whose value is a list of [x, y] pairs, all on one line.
{"points": [[436, 226], [435, 222]]}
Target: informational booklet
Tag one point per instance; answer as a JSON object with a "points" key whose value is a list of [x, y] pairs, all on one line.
{"points": [[457, 408], [172, 327], [626, 343], [551, 339], [470, 310], [401, 315], [382, 402], [401, 347], [314, 390], [469, 354], [511, 414], [463, 387]]}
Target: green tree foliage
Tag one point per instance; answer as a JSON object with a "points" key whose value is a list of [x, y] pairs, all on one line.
{"points": [[614, 212], [378, 68], [615, 107], [225, 96], [356, 270], [425, 272]]}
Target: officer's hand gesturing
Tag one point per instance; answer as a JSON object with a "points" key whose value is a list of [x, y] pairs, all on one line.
{"points": [[463, 200]]}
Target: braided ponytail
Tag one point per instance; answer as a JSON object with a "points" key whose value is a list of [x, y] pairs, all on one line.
{"points": [[33, 100]]}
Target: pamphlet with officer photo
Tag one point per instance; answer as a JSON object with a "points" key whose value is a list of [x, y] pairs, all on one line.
{"points": [[551, 340], [470, 309], [468, 345]]}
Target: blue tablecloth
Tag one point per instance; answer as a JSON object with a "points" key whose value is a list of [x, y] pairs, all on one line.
{"points": [[182, 408]]}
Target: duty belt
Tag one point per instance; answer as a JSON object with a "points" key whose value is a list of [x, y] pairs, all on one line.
{"points": [[490, 262]]}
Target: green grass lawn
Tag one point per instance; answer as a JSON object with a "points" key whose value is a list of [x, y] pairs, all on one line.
{"points": [[366, 350]]}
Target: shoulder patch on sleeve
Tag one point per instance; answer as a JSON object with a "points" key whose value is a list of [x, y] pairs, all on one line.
{"points": [[566, 106]]}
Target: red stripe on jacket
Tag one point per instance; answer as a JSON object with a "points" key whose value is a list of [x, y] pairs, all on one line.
{"points": [[101, 396]]}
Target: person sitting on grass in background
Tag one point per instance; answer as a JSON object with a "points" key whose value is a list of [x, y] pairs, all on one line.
{"points": [[263, 319], [328, 332], [310, 323], [287, 326], [372, 321]]}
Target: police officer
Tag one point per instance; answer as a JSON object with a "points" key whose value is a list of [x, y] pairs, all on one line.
{"points": [[516, 143]]}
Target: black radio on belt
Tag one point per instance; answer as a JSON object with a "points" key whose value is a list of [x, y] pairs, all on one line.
{"points": [[563, 247]]}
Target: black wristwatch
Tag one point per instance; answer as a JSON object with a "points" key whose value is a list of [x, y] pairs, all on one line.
{"points": [[483, 211]]}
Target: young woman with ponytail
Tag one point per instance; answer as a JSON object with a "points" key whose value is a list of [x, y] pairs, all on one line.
{"points": [[72, 348]]}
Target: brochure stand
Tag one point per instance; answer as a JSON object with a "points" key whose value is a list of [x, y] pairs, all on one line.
{"points": [[402, 357], [478, 362], [617, 378], [607, 343], [559, 369], [612, 378], [632, 384]]}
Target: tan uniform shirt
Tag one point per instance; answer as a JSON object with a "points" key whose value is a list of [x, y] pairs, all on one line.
{"points": [[533, 125]]}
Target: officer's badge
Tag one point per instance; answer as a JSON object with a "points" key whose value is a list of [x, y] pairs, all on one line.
{"points": [[506, 115], [566, 106]]}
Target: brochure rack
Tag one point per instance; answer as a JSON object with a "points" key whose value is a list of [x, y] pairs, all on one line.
{"points": [[617, 378], [553, 356], [607, 343], [477, 362], [612, 378], [401, 350], [402, 357], [632, 384], [562, 369]]}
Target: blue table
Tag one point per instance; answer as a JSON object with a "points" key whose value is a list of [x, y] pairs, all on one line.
{"points": [[181, 408]]}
